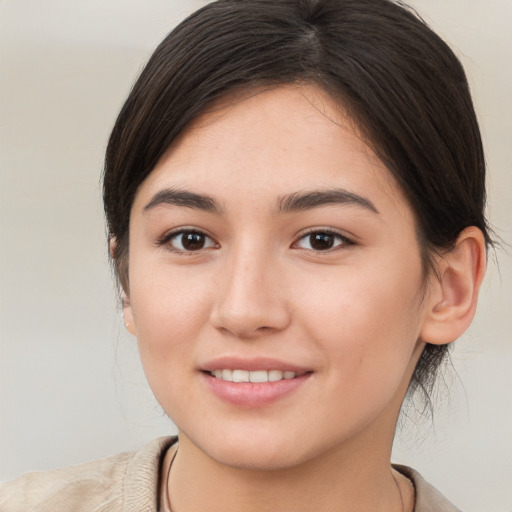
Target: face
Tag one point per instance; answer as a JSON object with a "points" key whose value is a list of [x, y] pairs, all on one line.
{"points": [[275, 283]]}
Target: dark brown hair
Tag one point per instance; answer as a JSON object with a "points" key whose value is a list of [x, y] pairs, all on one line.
{"points": [[401, 84]]}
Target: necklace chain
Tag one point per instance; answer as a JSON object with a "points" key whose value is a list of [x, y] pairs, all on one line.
{"points": [[167, 492], [399, 491]]}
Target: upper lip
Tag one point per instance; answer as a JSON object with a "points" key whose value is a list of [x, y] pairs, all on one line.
{"points": [[251, 364]]}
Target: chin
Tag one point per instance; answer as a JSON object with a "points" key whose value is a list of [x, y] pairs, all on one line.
{"points": [[247, 449], [257, 450], [256, 458]]}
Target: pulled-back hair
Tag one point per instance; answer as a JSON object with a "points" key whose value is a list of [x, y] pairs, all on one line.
{"points": [[402, 86]]}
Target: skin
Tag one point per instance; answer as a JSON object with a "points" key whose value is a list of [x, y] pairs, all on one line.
{"points": [[354, 315]]}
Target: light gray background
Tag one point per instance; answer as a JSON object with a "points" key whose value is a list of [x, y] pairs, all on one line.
{"points": [[70, 382]]}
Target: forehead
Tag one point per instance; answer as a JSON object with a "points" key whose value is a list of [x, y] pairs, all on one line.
{"points": [[273, 141]]}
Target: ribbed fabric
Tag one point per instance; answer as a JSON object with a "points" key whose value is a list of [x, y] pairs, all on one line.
{"points": [[428, 498], [130, 482]]}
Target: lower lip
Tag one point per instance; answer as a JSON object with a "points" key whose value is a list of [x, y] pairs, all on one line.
{"points": [[253, 394]]}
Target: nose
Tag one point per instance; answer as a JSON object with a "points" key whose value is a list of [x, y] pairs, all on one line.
{"points": [[251, 299]]}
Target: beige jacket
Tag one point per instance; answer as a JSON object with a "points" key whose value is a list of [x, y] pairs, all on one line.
{"points": [[130, 482]]}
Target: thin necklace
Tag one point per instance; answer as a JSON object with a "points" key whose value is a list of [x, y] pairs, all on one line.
{"points": [[167, 497], [167, 493], [399, 491]]}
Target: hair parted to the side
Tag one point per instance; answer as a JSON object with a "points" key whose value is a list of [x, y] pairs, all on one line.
{"points": [[403, 87]]}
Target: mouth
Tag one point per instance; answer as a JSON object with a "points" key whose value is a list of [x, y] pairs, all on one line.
{"points": [[254, 376], [253, 383]]}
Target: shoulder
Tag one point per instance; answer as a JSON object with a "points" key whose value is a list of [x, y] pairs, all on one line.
{"points": [[119, 483], [428, 498]]}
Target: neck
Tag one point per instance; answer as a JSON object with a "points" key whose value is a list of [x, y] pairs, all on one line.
{"points": [[355, 478]]}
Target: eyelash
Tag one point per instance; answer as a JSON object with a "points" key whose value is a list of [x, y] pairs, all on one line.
{"points": [[344, 241], [167, 239]]}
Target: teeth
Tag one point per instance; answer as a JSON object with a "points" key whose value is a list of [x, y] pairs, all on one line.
{"points": [[240, 375], [274, 375], [253, 376], [259, 376]]}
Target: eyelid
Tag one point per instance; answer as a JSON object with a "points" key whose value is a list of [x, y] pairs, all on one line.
{"points": [[346, 241], [165, 240]]}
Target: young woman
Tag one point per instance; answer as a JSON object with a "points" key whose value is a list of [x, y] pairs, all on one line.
{"points": [[294, 195]]}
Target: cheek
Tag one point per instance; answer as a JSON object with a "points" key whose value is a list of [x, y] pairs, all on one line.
{"points": [[166, 330], [169, 312], [367, 321], [167, 301]]}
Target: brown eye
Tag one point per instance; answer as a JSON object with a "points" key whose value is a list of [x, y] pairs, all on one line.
{"points": [[189, 241], [322, 241]]}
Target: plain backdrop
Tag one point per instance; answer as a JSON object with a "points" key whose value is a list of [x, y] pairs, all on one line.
{"points": [[71, 387]]}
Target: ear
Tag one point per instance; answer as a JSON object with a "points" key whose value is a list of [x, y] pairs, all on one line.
{"points": [[129, 321], [454, 291], [127, 308]]}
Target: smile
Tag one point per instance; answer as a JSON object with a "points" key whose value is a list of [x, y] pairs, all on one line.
{"points": [[253, 383], [253, 376]]}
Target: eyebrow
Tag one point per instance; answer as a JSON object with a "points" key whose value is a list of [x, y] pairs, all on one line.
{"points": [[317, 198], [290, 203], [177, 197]]}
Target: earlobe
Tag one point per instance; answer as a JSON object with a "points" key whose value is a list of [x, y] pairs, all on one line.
{"points": [[125, 300], [454, 292], [128, 316]]}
